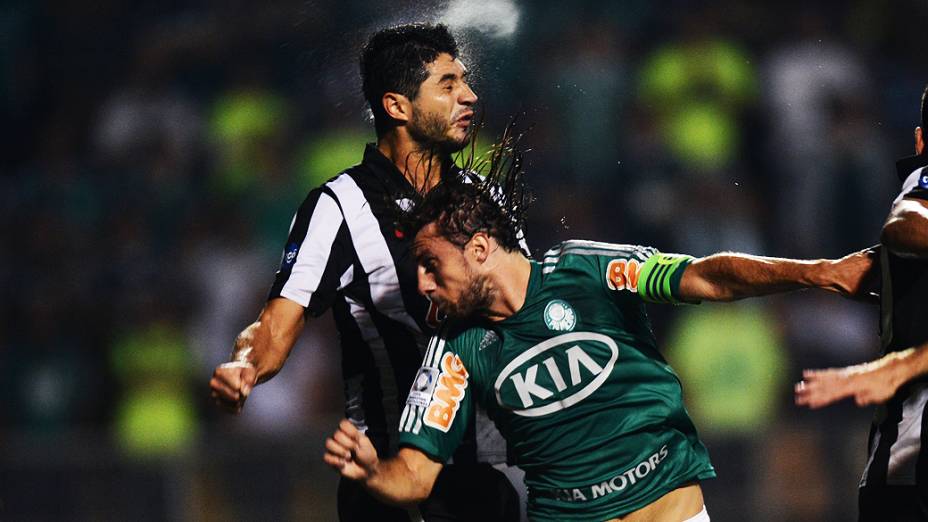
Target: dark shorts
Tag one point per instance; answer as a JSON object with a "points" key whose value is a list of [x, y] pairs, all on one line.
{"points": [[893, 504], [461, 493]]}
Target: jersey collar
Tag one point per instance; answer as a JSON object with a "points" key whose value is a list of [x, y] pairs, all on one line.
{"points": [[386, 170], [908, 165], [534, 283]]}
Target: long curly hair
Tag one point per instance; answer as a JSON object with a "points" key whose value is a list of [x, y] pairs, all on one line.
{"points": [[489, 196]]}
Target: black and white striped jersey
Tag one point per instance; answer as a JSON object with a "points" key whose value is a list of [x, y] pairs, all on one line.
{"points": [[344, 253], [900, 428]]}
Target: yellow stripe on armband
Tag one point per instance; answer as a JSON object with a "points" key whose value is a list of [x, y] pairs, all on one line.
{"points": [[660, 277]]}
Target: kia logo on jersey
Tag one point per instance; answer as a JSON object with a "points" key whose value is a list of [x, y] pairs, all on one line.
{"points": [[556, 374]]}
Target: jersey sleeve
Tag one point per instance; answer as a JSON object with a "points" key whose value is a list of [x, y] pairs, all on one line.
{"points": [[915, 185], [318, 257], [440, 404], [653, 275]]}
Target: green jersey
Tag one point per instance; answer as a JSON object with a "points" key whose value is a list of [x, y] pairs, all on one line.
{"points": [[574, 381]]}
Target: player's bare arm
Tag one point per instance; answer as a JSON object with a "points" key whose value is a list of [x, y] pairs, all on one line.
{"points": [[874, 382], [728, 276], [406, 478], [906, 230], [259, 352]]}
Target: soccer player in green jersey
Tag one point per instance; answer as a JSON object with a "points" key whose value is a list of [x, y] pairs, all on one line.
{"points": [[562, 356]]}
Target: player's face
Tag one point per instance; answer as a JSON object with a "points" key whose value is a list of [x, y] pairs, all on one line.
{"points": [[447, 278], [442, 111]]}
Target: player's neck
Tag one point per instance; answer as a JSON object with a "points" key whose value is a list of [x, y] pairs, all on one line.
{"points": [[421, 167], [510, 277]]}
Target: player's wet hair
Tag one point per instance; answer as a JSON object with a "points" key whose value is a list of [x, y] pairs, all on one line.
{"points": [[394, 60], [491, 197], [925, 113]]}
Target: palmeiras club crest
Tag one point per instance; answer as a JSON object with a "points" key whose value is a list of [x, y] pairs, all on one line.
{"points": [[559, 316]]}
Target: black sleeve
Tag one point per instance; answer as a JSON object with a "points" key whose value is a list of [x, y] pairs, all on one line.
{"points": [[318, 258]]}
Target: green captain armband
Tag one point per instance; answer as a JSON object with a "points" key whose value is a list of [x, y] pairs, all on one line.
{"points": [[659, 281]]}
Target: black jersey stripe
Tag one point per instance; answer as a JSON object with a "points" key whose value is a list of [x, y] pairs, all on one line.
{"points": [[372, 250], [889, 430], [363, 392]]}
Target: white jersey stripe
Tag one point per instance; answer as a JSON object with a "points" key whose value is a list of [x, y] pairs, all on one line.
{"points": [[406, 411], [439, 348], [346, 278], [372, 251], [903, 454], [314, 251], [382, 361]]}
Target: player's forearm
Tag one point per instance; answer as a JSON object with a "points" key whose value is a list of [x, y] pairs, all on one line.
{"points": [[727, 277], [909, 364], [394, 482], [906, 230], [267, 342]]}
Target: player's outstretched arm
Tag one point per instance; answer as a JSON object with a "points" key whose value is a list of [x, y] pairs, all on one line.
{"points": [[406, 478], [729, 276], [874, 382], [905, 232], [258, 354]]}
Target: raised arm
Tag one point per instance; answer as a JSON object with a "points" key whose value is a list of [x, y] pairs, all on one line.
{"points": [[728, 276], [869, 383], [906, 230], [259, 352], [406, 478]]}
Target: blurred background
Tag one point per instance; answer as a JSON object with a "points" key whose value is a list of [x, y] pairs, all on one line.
{"points": [[153, 156]]}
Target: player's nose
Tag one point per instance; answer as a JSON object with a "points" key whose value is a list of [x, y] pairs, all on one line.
{"points": [[426, 282], [468, 96]]}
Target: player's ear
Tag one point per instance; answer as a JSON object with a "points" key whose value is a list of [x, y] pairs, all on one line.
{"points": [[919, 141], [397, 106], [479, 246]]}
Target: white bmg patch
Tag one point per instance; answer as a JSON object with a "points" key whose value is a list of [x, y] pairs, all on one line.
{"points": [[559, 316]]}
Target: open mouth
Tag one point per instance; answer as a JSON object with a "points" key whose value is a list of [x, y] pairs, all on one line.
{"points": [[464, 120]]}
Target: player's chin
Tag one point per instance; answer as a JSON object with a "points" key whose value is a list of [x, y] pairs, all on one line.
{"points": [[457, 139]]}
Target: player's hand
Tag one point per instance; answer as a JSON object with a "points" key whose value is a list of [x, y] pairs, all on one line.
{"points": [[231, 384], [351, 453], [870, 383], [856, 275]]}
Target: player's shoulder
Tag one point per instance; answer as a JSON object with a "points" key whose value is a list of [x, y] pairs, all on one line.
{"points": [[582, 251], [461, 331]]}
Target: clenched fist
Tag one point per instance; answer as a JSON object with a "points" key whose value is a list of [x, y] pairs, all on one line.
{"points": [[231, 384]]}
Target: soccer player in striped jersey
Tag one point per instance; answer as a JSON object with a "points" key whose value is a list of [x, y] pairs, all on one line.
{"points": [[344, 253], [561, 354], [894, 485]]}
